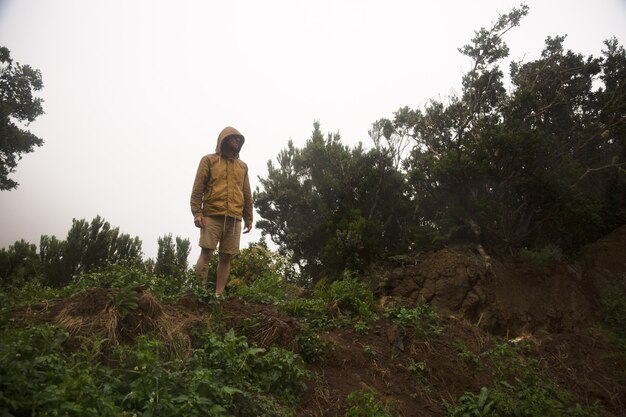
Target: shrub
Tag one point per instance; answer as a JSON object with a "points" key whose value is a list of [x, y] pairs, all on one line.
{"points": [[614, 314], [350, 296], [365, 404], [311, 346], [311, 311], [269, 288], [529, 396], [421, 318], [542, 257]]}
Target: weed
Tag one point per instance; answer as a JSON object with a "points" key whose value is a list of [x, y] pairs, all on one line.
{"points": [[422, 318], [311, 346], [465, 354], [542, 257], [529, 396], [350, 296], [370, 352], [361, 327], [124, 301], [268, 288], [614, 314], [223, 376], [311, 311], [365, 404], [418, 369]]}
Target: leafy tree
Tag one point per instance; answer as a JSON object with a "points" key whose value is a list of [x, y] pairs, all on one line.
{"points": [[172, 257], [540, 164], [51, 255], [18, 106], [87, 247], [19, 264], [330, 207]]}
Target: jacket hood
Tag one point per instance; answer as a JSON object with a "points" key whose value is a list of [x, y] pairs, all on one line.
{"points": [[226, 132]]}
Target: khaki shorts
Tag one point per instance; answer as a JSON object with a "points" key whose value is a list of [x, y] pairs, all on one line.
{"points": [[223, 230]]}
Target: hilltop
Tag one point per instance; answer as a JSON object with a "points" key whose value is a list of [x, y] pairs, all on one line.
{"points": [[446, 332]]}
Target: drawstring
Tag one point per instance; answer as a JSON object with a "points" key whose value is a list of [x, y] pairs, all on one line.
{"points": [[234, 224]]}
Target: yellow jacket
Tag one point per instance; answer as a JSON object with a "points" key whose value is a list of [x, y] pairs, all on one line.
{"points": [[222, 187]]}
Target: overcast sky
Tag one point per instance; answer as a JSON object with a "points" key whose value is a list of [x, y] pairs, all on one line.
{"points": [[135, 92]]}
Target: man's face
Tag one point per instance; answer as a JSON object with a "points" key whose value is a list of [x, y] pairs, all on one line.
{"points": [[233, 143]]}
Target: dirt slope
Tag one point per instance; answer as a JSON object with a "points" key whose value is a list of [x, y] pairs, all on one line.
{"points": [[480, 307]]}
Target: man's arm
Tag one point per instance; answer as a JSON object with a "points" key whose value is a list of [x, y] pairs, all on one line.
{"points": [[197, 191], [247, 204]]}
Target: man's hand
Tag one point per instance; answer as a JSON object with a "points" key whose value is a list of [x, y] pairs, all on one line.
{"points": [[199, 221], [247, 227]]}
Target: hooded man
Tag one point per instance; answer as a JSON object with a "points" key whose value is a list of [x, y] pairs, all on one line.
{"points": [[220, 199]]}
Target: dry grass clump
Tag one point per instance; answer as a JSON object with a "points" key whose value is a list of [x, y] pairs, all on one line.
{"points": [[272, 331], [120, 315]]}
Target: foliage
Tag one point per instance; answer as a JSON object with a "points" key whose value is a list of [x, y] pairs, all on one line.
{"points": [[258, 261], [421, 318], [124, 301], [361, 327], [529, 396], [89, 246], [370, 352], [311, 346], [543, 256], [167, 288], [614, 313], [418, 369], [365, 404], [311, 311], [224, 376], [349, 295], [18, 107], [534, 157], [19, 264], [332, 208], [534, 166], [172, 258], [466, 355], [267, 289]]}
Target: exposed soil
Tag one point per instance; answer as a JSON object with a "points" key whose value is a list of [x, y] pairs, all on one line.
{"points": [[480, 301]]}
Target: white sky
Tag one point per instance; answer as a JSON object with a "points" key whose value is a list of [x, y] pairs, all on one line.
{"points": [[137, 91]]}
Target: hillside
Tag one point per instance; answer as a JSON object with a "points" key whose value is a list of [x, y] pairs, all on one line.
{"points": [[450, 332]]}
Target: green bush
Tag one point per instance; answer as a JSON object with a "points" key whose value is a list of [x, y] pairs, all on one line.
{"points": [[269, 288], [529, 396], [421, 318], [542, 257], [311, 311], [224, 376], [614, 314], [311, 346], [365, 404], [167, 289], [350, 295]]}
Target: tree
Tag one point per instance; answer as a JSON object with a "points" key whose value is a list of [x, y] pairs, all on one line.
{"points": [[172, 258], [87, 247], [330, 207], [18, 106], [542, 163], [19, 264]]}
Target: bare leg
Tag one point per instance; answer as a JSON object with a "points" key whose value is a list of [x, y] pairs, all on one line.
{"points": [[202, 266], [223, 269]]}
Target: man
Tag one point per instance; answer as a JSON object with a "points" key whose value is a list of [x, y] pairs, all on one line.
{"points": [[220, 199]]}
